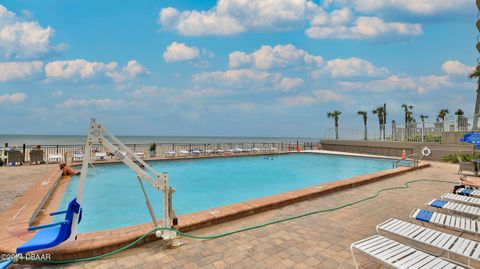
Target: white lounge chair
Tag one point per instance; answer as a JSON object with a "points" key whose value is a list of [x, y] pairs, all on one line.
{"points": [[170, 153], [182, 152], [219, 151], [255, 149], [54, 158], [100, 155], [237, 150], [195, 152], [462, 199], [230, 151], [273, 149], [456, 223], [455, 208], [469, 192], [451, 244], [208, 151], [140, 154], [397, 255]]}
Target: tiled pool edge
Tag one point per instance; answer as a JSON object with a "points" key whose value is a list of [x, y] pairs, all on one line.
{"points": [[102, 242]]}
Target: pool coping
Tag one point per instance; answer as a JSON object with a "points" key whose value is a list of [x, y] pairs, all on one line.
{"points": [[14, 231]]}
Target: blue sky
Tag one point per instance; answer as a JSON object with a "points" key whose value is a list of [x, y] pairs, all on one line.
{"points": [[230, 67]]}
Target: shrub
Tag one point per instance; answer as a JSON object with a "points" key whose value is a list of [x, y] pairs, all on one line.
{"points": [[153, 147]]}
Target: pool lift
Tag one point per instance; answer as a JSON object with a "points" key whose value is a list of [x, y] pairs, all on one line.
{"points": [[54, 234], [97, 134]]}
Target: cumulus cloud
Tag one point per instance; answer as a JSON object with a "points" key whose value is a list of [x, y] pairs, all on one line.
{"points": [[230, 17], [342, 25], [105, 103], [456, 68], [248, 78], [21, 38], [420, 84], [288, 84], [317, 96], [19, 70], [177, 52], [13, 98], [132, 70], [81, 69], [351, 67], [397, 83], [417, 7], [279, 56]]}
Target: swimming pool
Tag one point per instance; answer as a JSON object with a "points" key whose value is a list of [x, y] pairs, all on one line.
{"points": [[113, 198]]}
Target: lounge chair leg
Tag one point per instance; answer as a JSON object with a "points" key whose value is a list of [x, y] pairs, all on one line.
{"points": [[354, 259]]}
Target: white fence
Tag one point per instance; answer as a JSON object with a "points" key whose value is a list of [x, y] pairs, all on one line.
{"points": [[428, 131]]}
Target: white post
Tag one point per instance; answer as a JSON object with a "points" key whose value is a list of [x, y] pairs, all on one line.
{"points": [[83, 177]]}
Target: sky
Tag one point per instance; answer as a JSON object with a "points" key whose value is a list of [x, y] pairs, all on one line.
{"points": [[230, 67]]}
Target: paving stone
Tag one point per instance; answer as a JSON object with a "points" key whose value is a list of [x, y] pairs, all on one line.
{"points": [[316, 241]]}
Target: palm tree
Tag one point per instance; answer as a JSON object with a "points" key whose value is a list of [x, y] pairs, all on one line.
{"points": [[335, 115], [408, 113], [476, 74], [441, 115], [459, 113], [365, 117], [380, 113], [423, 118]]}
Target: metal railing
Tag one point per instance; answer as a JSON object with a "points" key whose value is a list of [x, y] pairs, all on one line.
{"points": [[428, 131], [74, 152], [412, 158]]}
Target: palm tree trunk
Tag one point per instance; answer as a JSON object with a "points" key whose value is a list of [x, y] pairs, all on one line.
{"points": [[477, 107], [365, 131], [336, 129]]}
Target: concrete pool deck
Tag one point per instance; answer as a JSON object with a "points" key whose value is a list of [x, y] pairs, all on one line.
{"points": [[315, 241]]}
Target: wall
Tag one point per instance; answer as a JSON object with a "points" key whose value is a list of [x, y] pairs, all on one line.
{"points": [[395, 149]]}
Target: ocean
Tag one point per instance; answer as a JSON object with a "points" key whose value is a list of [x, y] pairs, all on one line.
{"points": [[44, 140]]}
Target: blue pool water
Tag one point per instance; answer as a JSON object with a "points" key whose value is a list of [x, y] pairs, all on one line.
{"points": [[113, 197]]}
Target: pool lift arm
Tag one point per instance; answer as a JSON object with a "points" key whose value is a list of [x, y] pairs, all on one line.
{"points": [[97, 134]]}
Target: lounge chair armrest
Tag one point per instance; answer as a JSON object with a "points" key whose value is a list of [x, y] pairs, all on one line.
{"points": [[33, 228], [58, 213]]}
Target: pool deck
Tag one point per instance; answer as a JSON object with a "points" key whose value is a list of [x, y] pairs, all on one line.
{"points": [[320, 240]]}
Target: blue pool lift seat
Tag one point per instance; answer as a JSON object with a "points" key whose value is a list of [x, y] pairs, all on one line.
{"points": [[53, 234]]}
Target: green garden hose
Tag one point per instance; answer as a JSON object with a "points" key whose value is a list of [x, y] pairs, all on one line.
{"points": [[405, 186]]}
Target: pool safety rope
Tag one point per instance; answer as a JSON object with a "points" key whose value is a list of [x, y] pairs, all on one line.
{"points": [[406, 185]]}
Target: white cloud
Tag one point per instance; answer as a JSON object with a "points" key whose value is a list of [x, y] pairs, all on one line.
{"points": [[351, 67], [239, 78], [75, 69], [396, 83], [105, 103], [230, 17], [328, 96], [177, 52], [19, 70], [456, 68], [132, 70], [248, 79], [13, 98], [317, 96], [418, 7], [288, 84], [421, 84], [345, 27], [23, 39], [279, 56], [81, 69]]}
